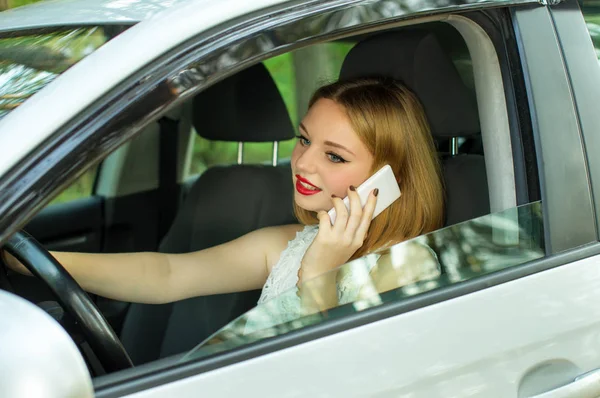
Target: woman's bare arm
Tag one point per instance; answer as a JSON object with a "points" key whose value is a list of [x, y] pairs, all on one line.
{"points": [[242, 264], [239, 265]]}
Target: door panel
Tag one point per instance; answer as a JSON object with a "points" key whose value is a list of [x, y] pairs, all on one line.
{"points": [[478, 345]]}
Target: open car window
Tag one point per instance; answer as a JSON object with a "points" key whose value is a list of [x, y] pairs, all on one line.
{"points": [[30, 61], [434, 261]]}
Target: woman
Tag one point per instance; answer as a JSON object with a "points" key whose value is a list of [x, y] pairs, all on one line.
{"points": [[351, 130]]}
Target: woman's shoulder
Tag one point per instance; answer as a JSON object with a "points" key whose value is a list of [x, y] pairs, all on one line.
{"points": [[286, 232], [279, 238]]}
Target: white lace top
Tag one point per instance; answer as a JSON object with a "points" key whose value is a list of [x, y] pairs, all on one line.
{"points": [[280, 303], [284, 275]]}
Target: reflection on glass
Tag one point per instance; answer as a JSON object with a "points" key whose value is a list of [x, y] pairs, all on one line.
{"points": [[28, 63], [441, 258], [591, 14]]}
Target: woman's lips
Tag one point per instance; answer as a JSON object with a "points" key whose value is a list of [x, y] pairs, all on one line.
{"points": [[305, 187]]}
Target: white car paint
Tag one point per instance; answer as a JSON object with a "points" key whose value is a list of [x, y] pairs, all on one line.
{"points": [[81, 12], [30, 333], [72, 92], [550, 316]]}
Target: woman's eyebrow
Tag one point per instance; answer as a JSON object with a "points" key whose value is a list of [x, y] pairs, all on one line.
{"points": [[336, 145], [303, 127], [330, 143]]}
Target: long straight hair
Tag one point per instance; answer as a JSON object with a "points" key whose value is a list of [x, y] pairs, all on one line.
{"points": [[391, 122]]}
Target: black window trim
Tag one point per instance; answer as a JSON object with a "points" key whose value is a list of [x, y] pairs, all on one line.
{"points": [[112, 29], [582, 68], [567, 200]]}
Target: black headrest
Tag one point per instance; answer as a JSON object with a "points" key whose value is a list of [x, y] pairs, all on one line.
{"points": [[416, 58], [244, 107]]}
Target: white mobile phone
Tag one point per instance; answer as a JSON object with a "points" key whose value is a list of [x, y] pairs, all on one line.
{"points": [[389, 191]]}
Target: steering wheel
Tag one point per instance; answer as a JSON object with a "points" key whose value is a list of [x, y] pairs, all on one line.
{"points": [[97, 331]]}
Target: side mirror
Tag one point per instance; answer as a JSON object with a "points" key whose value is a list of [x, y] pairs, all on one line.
{"points": [[37, 357]]}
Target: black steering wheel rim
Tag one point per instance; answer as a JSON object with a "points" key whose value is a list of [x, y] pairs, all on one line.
{"points": [[98, 333]]}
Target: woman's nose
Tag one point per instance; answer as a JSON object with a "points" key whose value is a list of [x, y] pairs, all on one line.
{"points": [[305, 162]]}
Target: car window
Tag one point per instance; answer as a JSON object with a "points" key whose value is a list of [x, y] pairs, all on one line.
{"points": [[591, 14], [81, 188], [297, 75], [29, 62], [434, 261]]}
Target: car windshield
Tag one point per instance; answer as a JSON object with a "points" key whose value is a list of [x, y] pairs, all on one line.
{"points": [[447, 256], [28, 62]]}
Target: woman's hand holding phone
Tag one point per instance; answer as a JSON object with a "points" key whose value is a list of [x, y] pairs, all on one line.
{"points": [[335, 244]]}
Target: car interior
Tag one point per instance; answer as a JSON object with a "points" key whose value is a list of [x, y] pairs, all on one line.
{"points": [[144, 201]]}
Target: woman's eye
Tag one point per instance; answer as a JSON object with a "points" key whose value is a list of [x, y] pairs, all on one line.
{"points": [[303, 140], [336, 158]]}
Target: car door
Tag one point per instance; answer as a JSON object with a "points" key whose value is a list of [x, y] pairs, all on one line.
{"points": [[522, 330]]}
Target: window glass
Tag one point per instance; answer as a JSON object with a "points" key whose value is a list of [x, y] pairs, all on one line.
{"points": [[297, 75], [81, 188], [444, 257], [30, 62], [6, 4], [591, 14]]}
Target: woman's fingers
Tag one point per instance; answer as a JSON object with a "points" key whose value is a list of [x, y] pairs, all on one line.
{"points": [[356, 212], [324, 221], [367, 215], [341, 214]]}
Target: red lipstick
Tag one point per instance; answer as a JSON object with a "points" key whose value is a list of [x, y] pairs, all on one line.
{"points": [[303, 190]]}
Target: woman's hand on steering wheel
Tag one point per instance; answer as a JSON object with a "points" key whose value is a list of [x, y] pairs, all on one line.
{"points": [[25, 255], [12, 263]]}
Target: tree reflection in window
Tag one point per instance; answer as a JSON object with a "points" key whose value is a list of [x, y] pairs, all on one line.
{"points": [[30, 62]]}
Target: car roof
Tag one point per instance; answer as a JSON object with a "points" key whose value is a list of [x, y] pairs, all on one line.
{"points": [[59, 13]]}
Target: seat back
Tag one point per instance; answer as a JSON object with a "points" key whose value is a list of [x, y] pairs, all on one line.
{"points": [[416, 58], [224, 203]]}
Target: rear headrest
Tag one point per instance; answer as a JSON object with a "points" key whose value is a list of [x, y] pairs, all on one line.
{"points": [[416, 58], [245, 107]]}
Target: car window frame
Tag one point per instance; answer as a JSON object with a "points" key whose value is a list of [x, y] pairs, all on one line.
{"points": [[583, 71], [556, 128]]}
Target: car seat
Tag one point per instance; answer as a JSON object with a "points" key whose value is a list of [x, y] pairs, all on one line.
{"points": [[416, 58], [224, 203]]}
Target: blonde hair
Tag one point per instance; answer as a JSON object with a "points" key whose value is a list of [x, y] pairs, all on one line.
{"points": [[391, 122]]}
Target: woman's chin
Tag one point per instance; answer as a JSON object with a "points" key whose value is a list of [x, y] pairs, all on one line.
{"points": [[308, 203]]}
